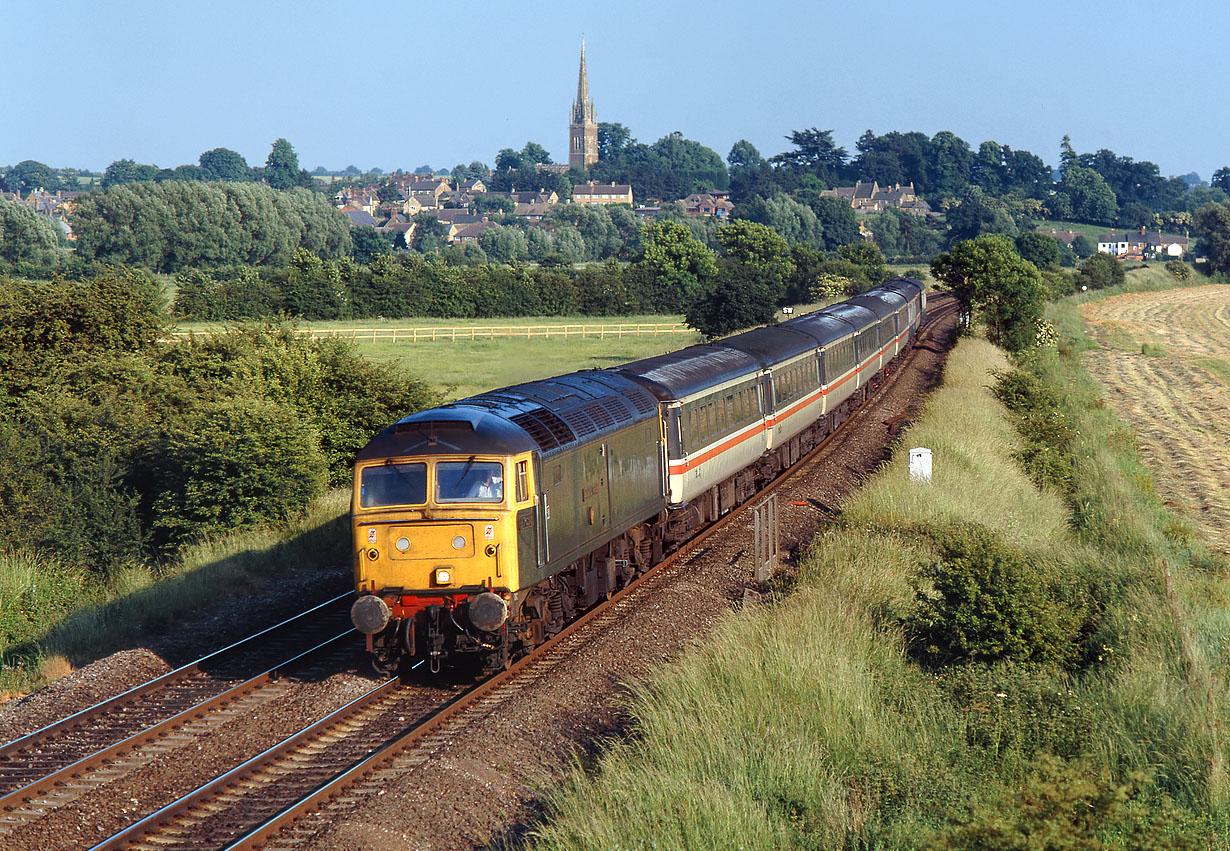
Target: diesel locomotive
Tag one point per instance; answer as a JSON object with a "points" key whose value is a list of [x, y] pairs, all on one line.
{"points": [[481, 527]]}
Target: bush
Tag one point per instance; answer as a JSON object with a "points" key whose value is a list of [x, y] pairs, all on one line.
{"points": [[240, 464], [982, 600], [1099, 272], [1179, 269], [1047, 455], [1066, 805]]}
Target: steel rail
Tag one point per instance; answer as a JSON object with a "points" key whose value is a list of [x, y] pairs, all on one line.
{"points": [[265, 832], [159, 682]]}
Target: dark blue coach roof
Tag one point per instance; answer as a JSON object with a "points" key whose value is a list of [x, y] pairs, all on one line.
{"points": [[880, 302], [856, 314], [824, 328], [772, 344], [551, 415], [907, 287], [687, 371]]}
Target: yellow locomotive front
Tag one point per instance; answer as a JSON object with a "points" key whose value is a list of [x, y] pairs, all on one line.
{"points": [[435, 528]]}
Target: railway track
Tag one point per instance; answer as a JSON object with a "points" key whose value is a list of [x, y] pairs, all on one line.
{"points": [[54, 766], [284, 796]]}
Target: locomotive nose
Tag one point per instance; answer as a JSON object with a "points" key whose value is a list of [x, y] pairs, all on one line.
{"points": [[487, 611], [369, 614]]}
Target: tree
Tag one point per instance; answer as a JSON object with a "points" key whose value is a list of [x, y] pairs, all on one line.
{"points": [[1039, 248], [1067, 154], [838, 222], [1092, 199], [1212, 222], [757, 245], [990, 279], [815, 152], [950, 161], [613, 138], [867, 257], [282, 166], [678, 260], [738, 296], [127, 171], [368, 243], [1099, 271], [1221, 179], [27, 238], [1081, 246], [30, 175], [793, 221], [534, 154], [224, 164], [507, 160]]}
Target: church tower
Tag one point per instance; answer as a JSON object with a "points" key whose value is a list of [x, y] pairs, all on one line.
{"points": [[582, 131]]}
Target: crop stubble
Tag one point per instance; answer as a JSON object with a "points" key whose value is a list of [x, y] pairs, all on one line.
{"points": [[1179, 410]]}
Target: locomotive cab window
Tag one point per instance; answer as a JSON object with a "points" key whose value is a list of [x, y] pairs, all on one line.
{"points": [[469, 481], [523, 481], [393, 484]]}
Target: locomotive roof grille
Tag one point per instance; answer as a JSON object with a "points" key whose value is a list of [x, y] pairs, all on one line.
{"points": [[642, 402], [547, 429]]}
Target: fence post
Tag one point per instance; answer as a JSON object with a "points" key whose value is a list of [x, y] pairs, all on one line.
{"points": [[768, 543]]}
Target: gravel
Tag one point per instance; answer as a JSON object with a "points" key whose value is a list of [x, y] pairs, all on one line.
{"points": [[487, 789], [486, 786]]}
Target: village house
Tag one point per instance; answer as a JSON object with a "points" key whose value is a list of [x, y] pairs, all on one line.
{"points": [[602, 193], [871, 198], [705, 204], [1139, 246], [470, 232]]}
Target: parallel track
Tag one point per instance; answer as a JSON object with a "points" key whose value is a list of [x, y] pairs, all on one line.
{"points": [[284, 796], [59, 763]]}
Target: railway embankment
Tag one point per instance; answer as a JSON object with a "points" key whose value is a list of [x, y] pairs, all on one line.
{"points": [[1030, 644]]}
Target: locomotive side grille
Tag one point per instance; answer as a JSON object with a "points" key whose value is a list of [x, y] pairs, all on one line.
{"points": [[601, 415], [580, 421], [547, 429], [616, 407], [642, 402]]}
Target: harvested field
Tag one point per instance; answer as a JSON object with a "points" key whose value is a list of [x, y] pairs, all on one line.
{"points": [[1154, 363], [1189, 323]]}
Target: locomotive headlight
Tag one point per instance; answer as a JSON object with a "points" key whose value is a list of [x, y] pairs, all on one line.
{"points": [[443, 576], [459, 543], [403, 544]]}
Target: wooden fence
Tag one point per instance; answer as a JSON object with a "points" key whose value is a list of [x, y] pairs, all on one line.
{"points": [[492, 332]]}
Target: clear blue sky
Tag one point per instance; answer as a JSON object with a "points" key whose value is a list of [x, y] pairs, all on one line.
{"points": [[399, 85]]}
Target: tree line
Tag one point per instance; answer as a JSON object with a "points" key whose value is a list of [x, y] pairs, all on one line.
{"points": [[116, 448]]}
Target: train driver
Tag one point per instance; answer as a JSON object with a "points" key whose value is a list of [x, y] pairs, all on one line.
{"points": [[491, 487]]}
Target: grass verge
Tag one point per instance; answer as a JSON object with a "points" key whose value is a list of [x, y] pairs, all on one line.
{"points": [[54, 619], [1029, 646]]}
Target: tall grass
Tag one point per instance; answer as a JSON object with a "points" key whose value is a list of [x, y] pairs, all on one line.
{"points": [[811, 725], [66, 617]]}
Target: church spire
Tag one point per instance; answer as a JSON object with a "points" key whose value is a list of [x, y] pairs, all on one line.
{"points": [[583, 130], [583, 107]]}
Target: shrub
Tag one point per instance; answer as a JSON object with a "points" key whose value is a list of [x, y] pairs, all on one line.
{"points": [[1047, 455], [1179, 269], [982, 600], [241, 463], [1066, 805], [1099, 272]]}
